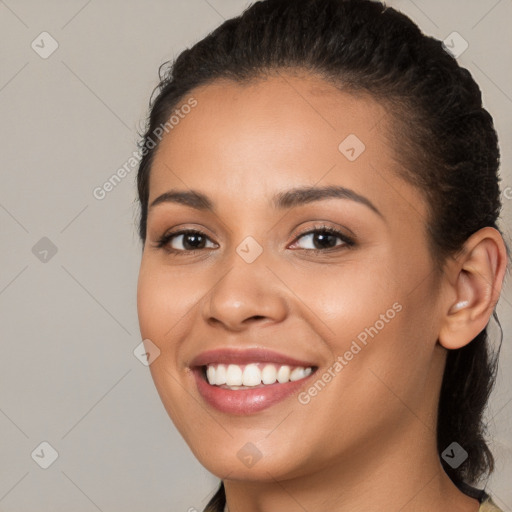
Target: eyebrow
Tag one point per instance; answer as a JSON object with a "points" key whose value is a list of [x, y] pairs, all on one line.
{"points": [[282, 200]]}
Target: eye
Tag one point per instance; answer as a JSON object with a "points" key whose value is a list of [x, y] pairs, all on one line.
{"points": [[185, 241], [323, 238], [318, 239]]}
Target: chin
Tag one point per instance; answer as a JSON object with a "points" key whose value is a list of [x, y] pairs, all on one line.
{"points": [[250, 462]]}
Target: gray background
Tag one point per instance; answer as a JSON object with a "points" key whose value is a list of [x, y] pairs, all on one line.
{"points": [[68, 325]]}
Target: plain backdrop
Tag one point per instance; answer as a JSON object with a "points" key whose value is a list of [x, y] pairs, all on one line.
{"points": [[69, 261]]}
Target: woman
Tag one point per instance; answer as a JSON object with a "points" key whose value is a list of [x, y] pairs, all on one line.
{"points": [[319, 205]]}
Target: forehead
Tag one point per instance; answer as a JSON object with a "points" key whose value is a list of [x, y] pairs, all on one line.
{"points": [[305, 104], [275, 132]]}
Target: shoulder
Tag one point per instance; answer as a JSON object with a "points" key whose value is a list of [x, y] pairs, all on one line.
{"points": [[484, 498], [488, 505]]}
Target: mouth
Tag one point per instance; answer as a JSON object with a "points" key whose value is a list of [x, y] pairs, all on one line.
{"points": [[253, 375], [246, 382]]}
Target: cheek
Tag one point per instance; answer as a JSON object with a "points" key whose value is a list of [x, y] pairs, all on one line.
{"points": [[373, 314], [345, 298], [164, 297], [150, 303]]}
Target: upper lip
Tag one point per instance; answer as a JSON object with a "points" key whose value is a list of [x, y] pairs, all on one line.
{"points": [[246, 356]]}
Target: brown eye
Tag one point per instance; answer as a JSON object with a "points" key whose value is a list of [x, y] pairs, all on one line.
{"points": [[185, 241], [322, 239], [189, 241]]}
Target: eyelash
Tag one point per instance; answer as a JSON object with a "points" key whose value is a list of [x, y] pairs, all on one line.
{"points": [[348, 242]]}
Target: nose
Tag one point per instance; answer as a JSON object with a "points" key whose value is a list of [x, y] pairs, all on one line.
{"points": [[245, 295]]}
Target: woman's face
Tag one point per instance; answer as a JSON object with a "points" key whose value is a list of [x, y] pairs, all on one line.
{"points": [[264, 286]]}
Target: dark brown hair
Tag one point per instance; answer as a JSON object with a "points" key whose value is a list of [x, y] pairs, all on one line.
{"points": [[448, 144]]}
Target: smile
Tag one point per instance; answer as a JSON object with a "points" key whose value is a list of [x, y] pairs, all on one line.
{"points": [[241, 382], [236, 377]]}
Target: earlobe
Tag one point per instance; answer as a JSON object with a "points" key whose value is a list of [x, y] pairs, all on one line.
{"points": [[475, 278]]}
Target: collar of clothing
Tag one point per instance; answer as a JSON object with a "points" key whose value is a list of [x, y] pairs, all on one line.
{"points": [[489, 506]]}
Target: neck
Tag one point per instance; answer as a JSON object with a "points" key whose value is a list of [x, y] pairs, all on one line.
{"points": [[403, 474]]}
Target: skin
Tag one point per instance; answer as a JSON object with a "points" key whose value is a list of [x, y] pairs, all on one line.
{"points": [[367, 440]]}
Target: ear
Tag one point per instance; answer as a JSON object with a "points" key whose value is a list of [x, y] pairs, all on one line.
{"points": [[474, 279]]}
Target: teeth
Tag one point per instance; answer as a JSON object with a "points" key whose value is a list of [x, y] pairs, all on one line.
{"points": [[269, 374], [210, 374], [300, 373], [220, 375], [255, 374], [297, 373], [251, 375], [283, 374], [234, 375]]}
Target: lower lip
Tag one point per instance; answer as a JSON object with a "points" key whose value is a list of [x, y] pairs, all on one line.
{"points": [[245, 401]]}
